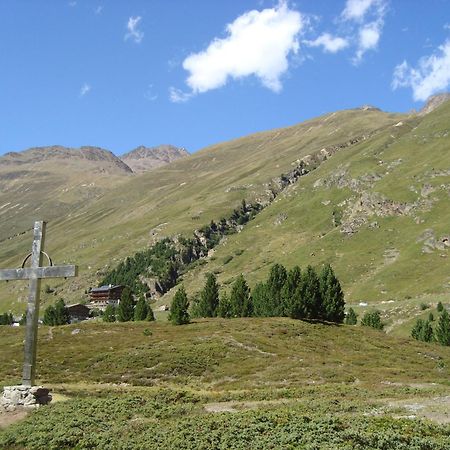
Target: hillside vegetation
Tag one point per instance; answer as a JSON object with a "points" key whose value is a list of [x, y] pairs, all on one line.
{"points": [[374, 204], [239, 383]]}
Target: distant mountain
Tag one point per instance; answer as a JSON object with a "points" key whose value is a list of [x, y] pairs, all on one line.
{"points": [[143, 159], [91, 158]]}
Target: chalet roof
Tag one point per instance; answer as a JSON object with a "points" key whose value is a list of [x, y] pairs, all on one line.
{"points": [[76, 304], [106, 288]]}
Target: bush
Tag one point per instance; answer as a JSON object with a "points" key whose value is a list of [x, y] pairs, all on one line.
{"points": [[227, 259], [440, 307], [424, 306], [372, 319], [351, 318]]}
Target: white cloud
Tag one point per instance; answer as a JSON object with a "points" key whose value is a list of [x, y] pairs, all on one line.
{"points": [[84, 89], [178, 96], [257, 43], [447, 26], [329, 43], [368, 17], [357, 9], [72, 4], [431, 75], [98, 10], [368, 38], [133, 32]]}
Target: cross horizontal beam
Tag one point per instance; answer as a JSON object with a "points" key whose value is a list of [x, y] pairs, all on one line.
{"points": [[29, 273]]}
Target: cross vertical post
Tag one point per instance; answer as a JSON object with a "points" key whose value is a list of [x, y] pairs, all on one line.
{"points": [[29, 363], [34, 274]]}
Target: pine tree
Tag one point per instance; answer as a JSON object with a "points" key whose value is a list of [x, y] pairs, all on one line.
{"points": [[440, 307], [141, 310], [426, 334], [310, 300], [110, 314], [240, 299], [259, 299], [150, 316], [50, 316], [274, 286], [422, 331], [372, 319], [125, 310], [224, 308], [333, 304], [293, 281], [351, 317], [179, 314], [209, 297], [62, 316], [443, 328]]}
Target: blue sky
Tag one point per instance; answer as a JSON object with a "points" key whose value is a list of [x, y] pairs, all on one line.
{"points": [[118, 74]]}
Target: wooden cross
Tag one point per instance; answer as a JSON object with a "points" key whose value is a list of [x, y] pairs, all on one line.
{"points": [[35, 273]]}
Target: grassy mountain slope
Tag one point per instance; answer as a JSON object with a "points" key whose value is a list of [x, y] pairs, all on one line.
{"points": [[390, 195], [180, 197]]}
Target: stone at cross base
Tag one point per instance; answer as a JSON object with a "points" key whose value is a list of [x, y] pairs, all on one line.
{"points": [[26, 394]]}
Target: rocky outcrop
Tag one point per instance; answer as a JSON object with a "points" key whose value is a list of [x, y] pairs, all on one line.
{"points": [[24, 396], [434, 102]]}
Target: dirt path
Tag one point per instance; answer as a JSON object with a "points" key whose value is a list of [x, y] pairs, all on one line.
{"points": [[9, 418]]}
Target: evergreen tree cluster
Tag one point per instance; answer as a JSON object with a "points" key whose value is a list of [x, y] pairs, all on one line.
{"points": [[170, 258], [158, 261], [372, 319], [300, 295], [423, 330], [127, 310], [6, 319], [56, 314]]}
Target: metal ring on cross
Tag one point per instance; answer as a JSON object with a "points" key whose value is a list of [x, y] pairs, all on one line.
{"points": [[43, 253]]}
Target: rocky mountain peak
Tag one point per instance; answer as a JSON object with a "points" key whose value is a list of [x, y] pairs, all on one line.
{"points": [[433, 102], [143, 159]]}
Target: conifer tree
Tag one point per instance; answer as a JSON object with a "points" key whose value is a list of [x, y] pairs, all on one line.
{"points": [[240, 299], [443, 328], [293, 281], [426, 334], [209, 297], [333, 304], [274, 286], [125, 310], [440, 307], [179, 314], [422, 331], [62, 316], [110, 314], [141, 309], [351, 317], [50, 316], [224, 308], [259, 300], [372, 319], [310, 299]]}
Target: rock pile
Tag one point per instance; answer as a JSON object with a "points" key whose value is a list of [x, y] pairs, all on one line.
{"points": [[25, 396]]}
